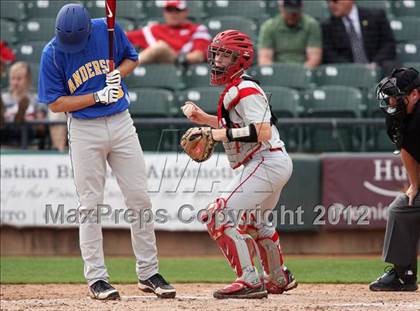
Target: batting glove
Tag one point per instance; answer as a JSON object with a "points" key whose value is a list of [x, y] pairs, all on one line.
{"points": [[108, 95], [113, 77]]}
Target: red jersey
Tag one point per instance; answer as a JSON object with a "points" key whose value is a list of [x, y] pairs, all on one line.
{"points": [[185, 38]]}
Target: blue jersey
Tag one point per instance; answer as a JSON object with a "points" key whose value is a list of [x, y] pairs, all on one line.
{"points": [[66, 74]]}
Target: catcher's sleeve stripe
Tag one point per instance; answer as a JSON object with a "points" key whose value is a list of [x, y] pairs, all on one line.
{"points": [[247, 134]]}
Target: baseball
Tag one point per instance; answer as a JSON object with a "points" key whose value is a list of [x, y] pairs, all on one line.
{"points": [[188, 109]]}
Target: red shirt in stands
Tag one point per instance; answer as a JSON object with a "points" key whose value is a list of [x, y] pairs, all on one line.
{"points": [[185, 38]]}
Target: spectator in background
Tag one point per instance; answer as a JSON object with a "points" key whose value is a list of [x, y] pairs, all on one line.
{"points": [[6, 57], [290, 37], [20, 104], [358, 35], [178, 40]]}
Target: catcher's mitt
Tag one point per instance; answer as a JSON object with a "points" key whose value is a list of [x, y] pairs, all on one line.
{"points": [[198, 143]]}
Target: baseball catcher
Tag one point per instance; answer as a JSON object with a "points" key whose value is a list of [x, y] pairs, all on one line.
{"points": [[246, 127]]}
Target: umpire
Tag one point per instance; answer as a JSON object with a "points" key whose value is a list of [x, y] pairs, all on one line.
{"points": [[400, 100]]}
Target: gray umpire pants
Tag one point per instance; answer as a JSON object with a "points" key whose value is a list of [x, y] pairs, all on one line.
{"points": [[112, 140], [402, 233]]}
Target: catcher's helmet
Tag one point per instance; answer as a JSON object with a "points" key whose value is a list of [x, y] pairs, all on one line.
{"points": [[72, 28], [236, 44], [399, 84]]}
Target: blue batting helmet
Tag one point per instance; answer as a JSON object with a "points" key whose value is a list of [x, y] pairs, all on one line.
{"points": [[72, 28]]}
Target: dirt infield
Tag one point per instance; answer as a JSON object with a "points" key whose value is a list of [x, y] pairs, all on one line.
{"points": [[199, 297]]}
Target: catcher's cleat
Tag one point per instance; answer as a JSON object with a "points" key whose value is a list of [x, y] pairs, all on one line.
{"points": [[390, 281], [157, 285], [241, 290], [102, 290], [290, 284]]}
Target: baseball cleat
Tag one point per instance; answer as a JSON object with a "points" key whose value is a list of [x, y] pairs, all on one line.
{"points": [[291, 283], [102, 290], [241, 290], [157, 284], [390, 281]]}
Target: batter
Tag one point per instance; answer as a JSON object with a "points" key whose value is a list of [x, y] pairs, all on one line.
{"points": [[74, 79]]}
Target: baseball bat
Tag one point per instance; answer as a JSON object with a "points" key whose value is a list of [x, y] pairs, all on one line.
{"points": [[110, 11]]}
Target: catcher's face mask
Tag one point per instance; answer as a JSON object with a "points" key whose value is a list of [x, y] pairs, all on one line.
{"points": [[393, 99], [223, 64]]}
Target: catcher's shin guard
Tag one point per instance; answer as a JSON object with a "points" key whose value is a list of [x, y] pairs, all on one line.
{"points": [[239, 248], [272, 259]]}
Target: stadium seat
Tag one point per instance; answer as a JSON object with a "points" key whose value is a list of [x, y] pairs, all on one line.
{"points": [[217, 24], [154, 9], [408, 52], [317, 9], [45, 8], [14, 10], [126, 24], [30, 51], [255, 9], [8, 31], [206, 98], [285, 103], [406, 8], [155, 75], [40, 29], [355, 75], [197, 76], [132, 10], [377, 4], [415, 65], [290, 75], [34, 67], [406, 28], [151, 102], [332, 101]]}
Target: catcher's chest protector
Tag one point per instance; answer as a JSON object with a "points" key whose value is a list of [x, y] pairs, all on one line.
{"points": [[238, 152]]}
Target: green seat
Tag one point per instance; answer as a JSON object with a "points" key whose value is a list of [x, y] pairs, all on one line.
{"points": [[34, 67], [151, 102], [255, 9], [406, 28], [154, 9], [408, 52], [381, 140], [197, 76], [218, 24], [318, 9], [332, 102], [285, 103], [8, 31], [355, 75], [45, 8], [126, 24], [377, 4], [155, 75], [40, 29], [415, 65], [272, 8], [372, 104], [289, 75], [207, 98], [14, 10], [406, 8], [132, 10], [30, 51]]}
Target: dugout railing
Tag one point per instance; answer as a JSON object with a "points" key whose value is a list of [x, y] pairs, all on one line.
{"points": [[300, 134]]}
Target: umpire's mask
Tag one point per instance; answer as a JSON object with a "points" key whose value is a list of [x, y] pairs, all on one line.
{"points": [[391, 91]]}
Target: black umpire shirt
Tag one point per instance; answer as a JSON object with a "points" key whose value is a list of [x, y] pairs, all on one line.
{"points": [[411, 133]]}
